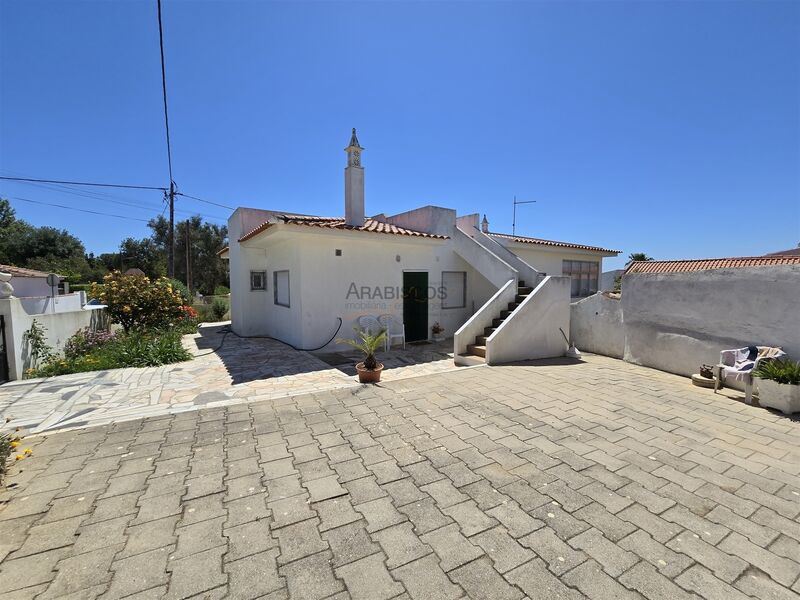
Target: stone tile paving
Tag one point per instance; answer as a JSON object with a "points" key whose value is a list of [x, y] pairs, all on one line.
{"points": [[226, 370], [599, 480]]}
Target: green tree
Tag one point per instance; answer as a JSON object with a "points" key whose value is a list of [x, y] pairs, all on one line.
{"points": [[639, 257]]}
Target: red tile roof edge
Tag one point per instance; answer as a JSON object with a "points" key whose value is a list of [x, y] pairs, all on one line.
{"points": [[703, 264], [529, 240], [338, 224], [23, 272]]}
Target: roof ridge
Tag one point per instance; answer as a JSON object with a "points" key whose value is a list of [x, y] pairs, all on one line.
{"points": [[544, 241]]}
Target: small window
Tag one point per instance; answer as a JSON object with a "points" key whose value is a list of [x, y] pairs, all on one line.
{"points": [[258, 280], [584, 274], [338, 252], [455, 289], [281, 286]]}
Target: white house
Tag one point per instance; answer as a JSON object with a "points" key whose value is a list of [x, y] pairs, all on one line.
{"points": [[305, 279], [29, 283]]}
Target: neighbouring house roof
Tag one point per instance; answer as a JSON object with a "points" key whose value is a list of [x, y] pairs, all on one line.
{"points": [[790, 252], [540, 242], [223, 252], [22, 272], [338, 223], [687, 266]]}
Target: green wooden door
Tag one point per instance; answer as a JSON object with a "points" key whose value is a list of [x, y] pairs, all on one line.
{"points": [[415, 305]]}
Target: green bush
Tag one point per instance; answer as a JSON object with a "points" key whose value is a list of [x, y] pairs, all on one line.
{"points": [[221, 290], [134, 349], [781, 371], [219, 309], [181, 288]]}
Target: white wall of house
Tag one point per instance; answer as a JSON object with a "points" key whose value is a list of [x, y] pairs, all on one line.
{"points": [[550, 260], [366, 278], [596, 325], [30, 286]]}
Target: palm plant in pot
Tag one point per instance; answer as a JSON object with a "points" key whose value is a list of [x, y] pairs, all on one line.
{"points": [[779, 385], [369, 370]]}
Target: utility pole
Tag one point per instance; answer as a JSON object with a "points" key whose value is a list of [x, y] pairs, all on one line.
{"points": [[188, 256], [514, 216], [171, 233]]}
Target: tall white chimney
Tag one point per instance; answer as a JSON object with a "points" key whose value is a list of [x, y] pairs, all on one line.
{"points": [[354, 184]]}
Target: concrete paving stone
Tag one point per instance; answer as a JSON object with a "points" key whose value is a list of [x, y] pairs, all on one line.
{"points": [[527, 497], [566, 497], [425, 515], [612, 501], [340, 454], [101, 535], [335, 513], [661, 530], [26, 505], [379, 513], [787, 508], [242, 467], [311, 578], [64, 508], [460, 474], [424, 579], [710, 532], [368, 579], [290, 510], [156, 486], [612, 557], [423, 473], [717, 495], [653, 502], [404, 491], [196, 573], [595, 583], [350, 542], [482, 582], [759, 585], [387, 471], [273, 453], [139, 573], [497, 475], [700, 580], [724, 566], [204, 485], [558, 555], [786, 547], [773, 520], [307, 453], [46, 482], [782, 570], [757, 534], [324, 488], [469, 517], [452, 548], [299, 540], [538, 583], [364, 490], [82, 571], [564, 524], [254, 576], [484, 494], [607, 477], [644, 578], [149, 536], [25, 573], [665, 560], [350, 470], [277, 489], [249, 538], [610, 525], [199, 537], [202, 509], [473, 457], [401, 544], [49, 536], [506, 553], [515, 520], [278, 468]]}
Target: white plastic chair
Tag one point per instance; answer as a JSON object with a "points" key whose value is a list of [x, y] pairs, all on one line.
{"points": [[740, 363], [369, 323], [395, 329]]}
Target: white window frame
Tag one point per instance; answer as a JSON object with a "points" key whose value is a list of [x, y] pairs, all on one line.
{"points": [[277, 288], [447, 296], [263, 275]]}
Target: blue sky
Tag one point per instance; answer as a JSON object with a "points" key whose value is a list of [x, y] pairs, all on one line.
{"points": [[671, 128]]}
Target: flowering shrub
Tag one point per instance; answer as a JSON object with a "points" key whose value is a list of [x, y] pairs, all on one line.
{"points": [[137, 302], [187, 323], [10, 441], [85, 341]]}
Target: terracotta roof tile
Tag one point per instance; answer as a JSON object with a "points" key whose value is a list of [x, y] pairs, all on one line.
{"points": [[540, 242], [687, 266], [338, 223], [22, 272]]}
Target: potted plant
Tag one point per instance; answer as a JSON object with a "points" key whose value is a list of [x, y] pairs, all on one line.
{"points": [[779, 385], [369, 371], [438, 332]]}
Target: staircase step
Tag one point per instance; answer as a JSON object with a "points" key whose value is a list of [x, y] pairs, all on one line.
{"points": [[487, 331], [520, 283], [496, 322], [469, 360], [477, 350], [520, 297], [524, 291], [504, 313], [512, 305], [480, 340]]}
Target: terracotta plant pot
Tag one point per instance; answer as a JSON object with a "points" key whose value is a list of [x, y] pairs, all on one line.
{"points": [[369, 375]]}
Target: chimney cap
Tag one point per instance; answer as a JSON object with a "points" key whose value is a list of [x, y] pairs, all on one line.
{"points": [[354, 140]]}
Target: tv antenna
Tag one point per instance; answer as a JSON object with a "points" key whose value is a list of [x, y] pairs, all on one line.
{"points": [[514, 217]]}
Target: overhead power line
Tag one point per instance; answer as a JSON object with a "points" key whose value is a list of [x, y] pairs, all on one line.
{"points": [[206, 201], [83, 210], [169, 196], [111, 185]]}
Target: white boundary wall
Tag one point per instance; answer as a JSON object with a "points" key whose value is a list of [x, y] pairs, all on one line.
{"points": [[677, 321]]}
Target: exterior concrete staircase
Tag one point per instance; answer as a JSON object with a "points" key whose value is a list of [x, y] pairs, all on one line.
{"points": [[476, 353]]}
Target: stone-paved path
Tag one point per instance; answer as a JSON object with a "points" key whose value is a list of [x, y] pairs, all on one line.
{"points": [[600, 480], [226, 370]]}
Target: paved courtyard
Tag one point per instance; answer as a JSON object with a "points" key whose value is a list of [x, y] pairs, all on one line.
{"points": [[226, 370], [599, 480]]}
